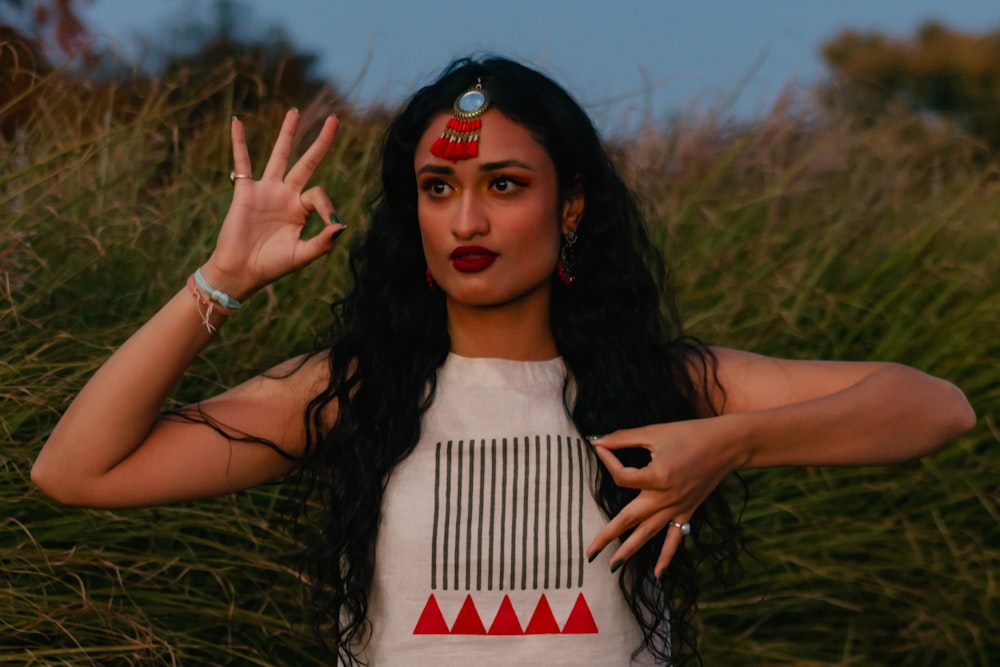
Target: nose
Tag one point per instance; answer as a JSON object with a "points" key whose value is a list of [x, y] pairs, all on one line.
{"points": [[470, 218]]}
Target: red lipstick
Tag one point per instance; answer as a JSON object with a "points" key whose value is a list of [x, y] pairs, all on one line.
{"points": [[472, 258]]}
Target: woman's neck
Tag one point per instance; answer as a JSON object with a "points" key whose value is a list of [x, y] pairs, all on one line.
{"points": [[519, 331]]}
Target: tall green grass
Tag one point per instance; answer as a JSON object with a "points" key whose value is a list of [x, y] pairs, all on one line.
{"points": [[806, 235]]}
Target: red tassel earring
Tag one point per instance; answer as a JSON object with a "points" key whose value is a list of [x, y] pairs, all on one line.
{"points": [[565, 269], [430, 279], [460, 139]]}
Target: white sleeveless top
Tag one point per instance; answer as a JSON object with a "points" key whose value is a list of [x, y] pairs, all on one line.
{"points": [[480, 554]]}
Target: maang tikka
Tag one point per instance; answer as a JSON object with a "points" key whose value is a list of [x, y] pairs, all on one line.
{"points": [[460, 139]]}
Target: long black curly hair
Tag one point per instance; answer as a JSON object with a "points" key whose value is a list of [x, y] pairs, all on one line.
{"points": [[615, 327]]}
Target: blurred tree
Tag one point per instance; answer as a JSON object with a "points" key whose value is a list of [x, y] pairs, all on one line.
{"points": [[948, 74], [23, 66], [43, 17], [262, 63]]}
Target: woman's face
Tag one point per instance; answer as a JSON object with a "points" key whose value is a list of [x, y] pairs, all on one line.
{"points": [[491, 225]]}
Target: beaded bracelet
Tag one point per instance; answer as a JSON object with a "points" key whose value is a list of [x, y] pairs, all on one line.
{"points": [[215, 295], [203, 298]]}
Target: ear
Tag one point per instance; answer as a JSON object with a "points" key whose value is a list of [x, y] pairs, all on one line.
{"points": [[572, 208]]}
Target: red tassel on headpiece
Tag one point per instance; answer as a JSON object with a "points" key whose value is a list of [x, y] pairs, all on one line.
{"points": [[460, 139]]}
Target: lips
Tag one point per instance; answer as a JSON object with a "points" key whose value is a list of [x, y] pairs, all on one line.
{"points": [[471, 259]]}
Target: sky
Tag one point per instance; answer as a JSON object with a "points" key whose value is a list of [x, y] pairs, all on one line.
{"points": [[625, 60]]}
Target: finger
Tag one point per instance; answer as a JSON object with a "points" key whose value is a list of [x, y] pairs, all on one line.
{"points": [[643, 533], [241, 156], [316, 200], [626, 437], [305, 167], [670, 545], [606, 535], [312, 249], [630, 516], [624, 476], [278, 162]]}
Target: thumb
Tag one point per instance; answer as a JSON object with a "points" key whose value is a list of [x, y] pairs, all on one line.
{"points": [[319, 245]]}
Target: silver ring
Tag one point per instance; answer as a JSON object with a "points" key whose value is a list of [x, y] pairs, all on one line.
{"points": [[685, 527], [233, 176]]}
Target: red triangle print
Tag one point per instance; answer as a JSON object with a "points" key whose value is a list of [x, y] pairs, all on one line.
{"points": [[431, 621], [468, 621], [542, 621], [505, 622], [580, 621]]}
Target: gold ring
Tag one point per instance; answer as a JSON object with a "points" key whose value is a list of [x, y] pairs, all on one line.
{"points": [[233, 176]]}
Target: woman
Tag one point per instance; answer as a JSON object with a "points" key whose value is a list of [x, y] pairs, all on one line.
{"points": [[505, 301]]}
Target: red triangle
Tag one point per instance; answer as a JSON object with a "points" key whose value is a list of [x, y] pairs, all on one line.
{"points": [[580, 621], [505, 622], [431, 621], [542, 621], [468, 621]]}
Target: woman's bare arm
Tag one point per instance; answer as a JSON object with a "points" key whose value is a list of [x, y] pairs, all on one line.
{"points": [[836, 413], [112, 449], [775, 412]]}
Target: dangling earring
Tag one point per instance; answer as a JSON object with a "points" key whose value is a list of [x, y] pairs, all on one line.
{"points": [[565, 266], [430, 279]]}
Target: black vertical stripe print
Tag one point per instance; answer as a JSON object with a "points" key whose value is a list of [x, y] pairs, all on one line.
{"points": [[508, 513]]}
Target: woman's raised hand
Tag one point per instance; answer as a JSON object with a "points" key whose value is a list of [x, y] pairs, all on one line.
{"points": [[688, 461], [260, 240]]}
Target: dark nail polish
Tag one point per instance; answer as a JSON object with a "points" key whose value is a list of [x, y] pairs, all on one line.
{"points": [[617, 564], [591, 557], [337, 233], [591, 438], [334, 219], [662, 578]]}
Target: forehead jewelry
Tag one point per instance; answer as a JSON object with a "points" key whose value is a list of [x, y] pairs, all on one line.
{"points": [[460, 139]]}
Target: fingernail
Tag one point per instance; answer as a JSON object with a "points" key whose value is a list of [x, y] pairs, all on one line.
{"points": [[662, 577], [235, 118], [591, 438], [617, 564], [334, 219], [337, 233], [591, 557]]}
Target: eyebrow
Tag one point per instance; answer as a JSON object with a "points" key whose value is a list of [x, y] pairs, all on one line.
{"points": [[485, 167]]}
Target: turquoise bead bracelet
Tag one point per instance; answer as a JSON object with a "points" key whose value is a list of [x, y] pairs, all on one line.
{"points": [[215, 295]]}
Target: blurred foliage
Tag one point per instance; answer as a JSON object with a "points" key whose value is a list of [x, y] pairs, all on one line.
{"points": [[263, 61], [212, 57], [55, 19], [951, 76], [23, 66], [805, 234]]}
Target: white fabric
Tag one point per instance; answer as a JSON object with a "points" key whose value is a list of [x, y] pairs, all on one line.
{"points": [[491, 512]]}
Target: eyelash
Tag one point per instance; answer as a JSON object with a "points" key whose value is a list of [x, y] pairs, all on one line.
{"points": [[432, 185], [516, 182]]}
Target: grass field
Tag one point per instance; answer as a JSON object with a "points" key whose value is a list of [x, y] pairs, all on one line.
{"points": [[803, 235]]}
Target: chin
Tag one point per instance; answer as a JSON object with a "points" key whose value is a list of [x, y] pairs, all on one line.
{"points": [[493, 298]]}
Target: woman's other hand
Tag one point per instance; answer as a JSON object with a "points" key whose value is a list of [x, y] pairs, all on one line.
{"points": [[261, 237], [688, 460]]}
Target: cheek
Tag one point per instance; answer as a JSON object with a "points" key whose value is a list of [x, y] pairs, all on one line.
{"points": [[547, 238], [435, 237]]}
